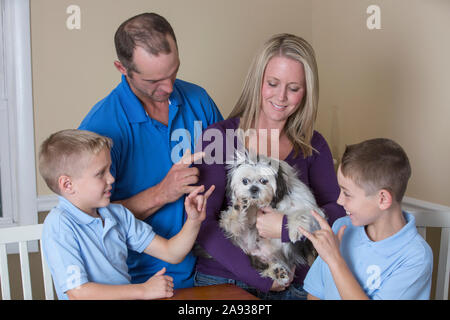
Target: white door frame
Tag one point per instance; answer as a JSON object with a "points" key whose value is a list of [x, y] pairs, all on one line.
{"points": [[18, 75]]}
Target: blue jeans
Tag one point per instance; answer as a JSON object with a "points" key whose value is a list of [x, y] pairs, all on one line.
{"points": [[293, 292]]}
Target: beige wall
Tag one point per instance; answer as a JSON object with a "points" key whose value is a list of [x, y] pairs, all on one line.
{"points": [[72, 70], [391, 82]]}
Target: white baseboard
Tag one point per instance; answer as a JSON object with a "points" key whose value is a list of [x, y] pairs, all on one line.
{"points": [[427, 213], [414, 203], [47, 202]]}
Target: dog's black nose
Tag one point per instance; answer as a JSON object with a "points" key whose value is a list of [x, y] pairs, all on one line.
{"points": [[254, 189]]}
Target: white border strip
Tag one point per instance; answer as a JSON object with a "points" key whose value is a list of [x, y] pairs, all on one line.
{"points": [[412, 202], [18, 71], [429, 214], [47, 202]]}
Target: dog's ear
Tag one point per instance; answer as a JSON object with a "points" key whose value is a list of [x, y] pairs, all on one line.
{"points": [[282, 187], [228, 190], [240, 156]]}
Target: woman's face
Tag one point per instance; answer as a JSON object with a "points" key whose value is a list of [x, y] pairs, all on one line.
{"points": [[282, 91]]}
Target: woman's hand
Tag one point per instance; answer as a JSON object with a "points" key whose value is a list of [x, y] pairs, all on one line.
{"points": [[269, 223], [277, 287]]}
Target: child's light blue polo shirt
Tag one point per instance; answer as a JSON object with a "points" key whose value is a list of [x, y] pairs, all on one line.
{"points": [[79, 249], [396, 268], [142, 156]]}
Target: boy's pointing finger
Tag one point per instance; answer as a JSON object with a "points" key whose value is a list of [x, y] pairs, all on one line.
{"points": [[210, 190], [322, 222], [307, 234]]}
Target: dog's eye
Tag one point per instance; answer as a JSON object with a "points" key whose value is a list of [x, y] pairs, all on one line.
{"points": [[245, 181], [263, 181]]}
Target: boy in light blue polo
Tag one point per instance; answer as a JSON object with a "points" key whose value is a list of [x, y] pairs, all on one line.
{"points": [[85, 238], [375, 252]]}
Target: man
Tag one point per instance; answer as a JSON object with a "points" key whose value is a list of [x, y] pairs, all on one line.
{"points": [[140, 115]]}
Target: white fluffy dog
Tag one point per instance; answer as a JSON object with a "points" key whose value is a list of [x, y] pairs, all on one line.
{"points": [[264, 181]]}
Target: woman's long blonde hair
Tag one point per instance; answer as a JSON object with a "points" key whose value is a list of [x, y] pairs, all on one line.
{"points": [[299, 127]]}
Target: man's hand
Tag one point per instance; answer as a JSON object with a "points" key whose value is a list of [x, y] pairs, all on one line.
{"points": [[176, 183], [195, 204], [180, 178], [324, 240]]}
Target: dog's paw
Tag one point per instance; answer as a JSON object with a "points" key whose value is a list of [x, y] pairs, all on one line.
{"points": [[231, 220], [277, 273], [228, 221], [240, 204], [281, 275], [305, 220], [308, 222]]}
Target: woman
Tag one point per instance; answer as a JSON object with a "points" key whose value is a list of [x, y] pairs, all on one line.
{"points": [[276, 110]]}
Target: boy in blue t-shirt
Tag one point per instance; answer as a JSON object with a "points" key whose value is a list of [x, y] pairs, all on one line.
{"points": [[375, 252], [86, 238]]}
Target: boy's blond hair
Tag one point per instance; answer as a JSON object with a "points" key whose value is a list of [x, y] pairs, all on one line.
{"points": [[377, 164], [62, 153]]}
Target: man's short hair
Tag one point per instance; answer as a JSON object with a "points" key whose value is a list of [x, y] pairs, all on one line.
{"points": [[146, 30], [62, 153], [377, 164]]}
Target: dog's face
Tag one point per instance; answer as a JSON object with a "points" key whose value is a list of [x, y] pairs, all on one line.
{"points": [[256, 183], [261, 182]]}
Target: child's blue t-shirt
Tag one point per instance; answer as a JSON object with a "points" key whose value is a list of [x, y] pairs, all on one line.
{"points": [[78, 248], [396, 268]]}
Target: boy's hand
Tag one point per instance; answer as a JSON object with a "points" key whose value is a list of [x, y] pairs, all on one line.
{"points": [[195, 204], [324, 240], [159, 286]]}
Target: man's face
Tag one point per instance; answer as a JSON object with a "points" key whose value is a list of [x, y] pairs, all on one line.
{"points": [[155, 75]]}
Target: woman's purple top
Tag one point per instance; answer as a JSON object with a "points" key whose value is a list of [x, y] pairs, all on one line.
{"points": [[229, 261]]}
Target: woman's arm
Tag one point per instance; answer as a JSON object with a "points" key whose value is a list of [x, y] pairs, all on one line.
{"points": [[323, 180]]}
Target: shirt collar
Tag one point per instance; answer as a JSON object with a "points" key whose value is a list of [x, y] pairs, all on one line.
{"points": [[394, 243], [133, 107], [175, 97], [79, 216], [82, 217]]}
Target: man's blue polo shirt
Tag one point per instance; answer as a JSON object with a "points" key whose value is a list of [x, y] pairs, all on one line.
{"points": [[396, 268], [78, 248], [144, 150]]}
